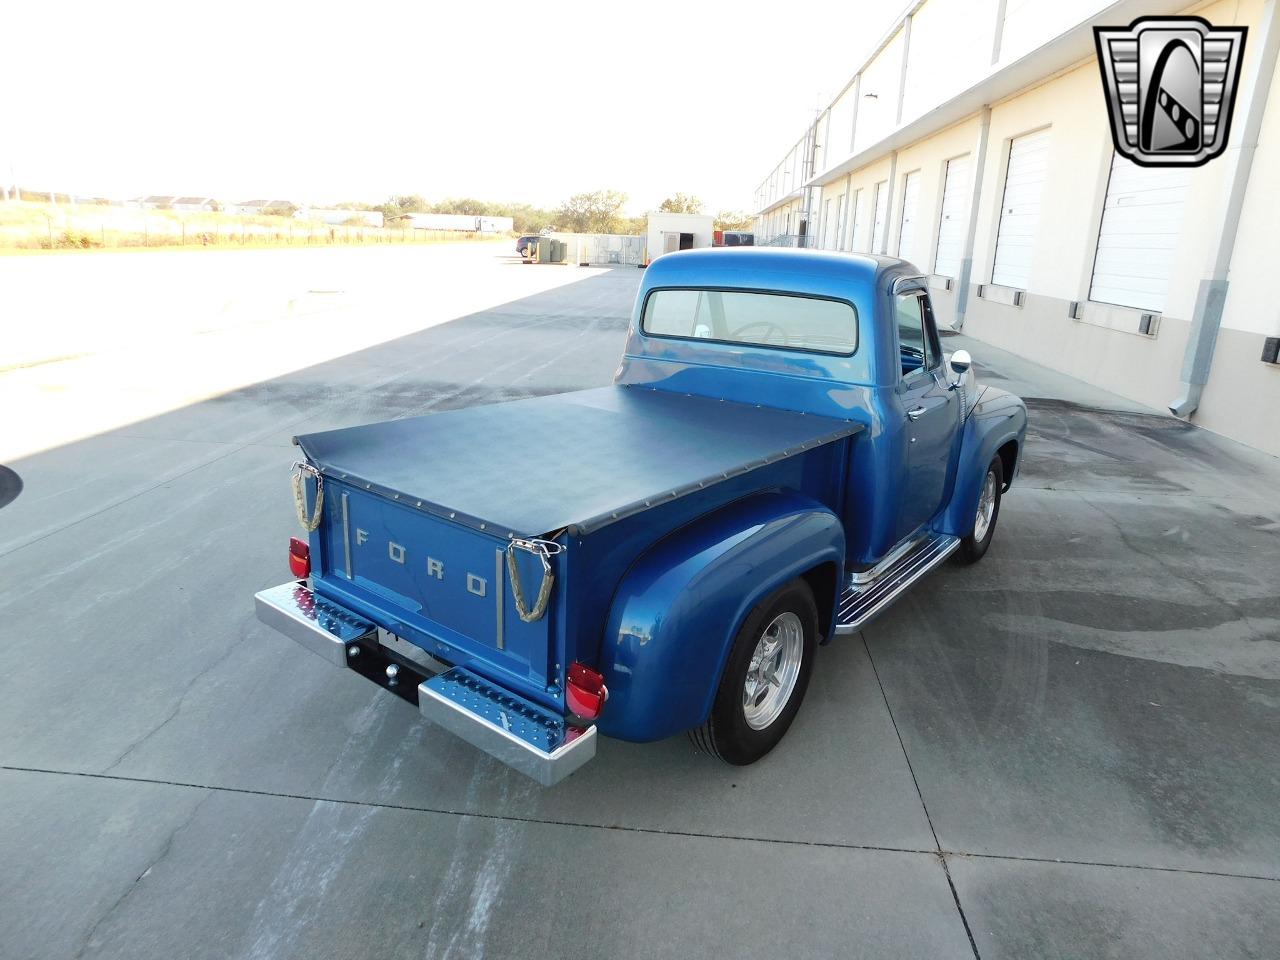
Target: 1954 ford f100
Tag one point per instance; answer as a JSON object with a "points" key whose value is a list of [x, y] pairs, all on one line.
{"points": [[785, 449]]}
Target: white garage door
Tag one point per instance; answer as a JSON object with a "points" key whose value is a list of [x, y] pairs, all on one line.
{"points": [[881, 219], [1141, 220], [910, 210], [1020, 211], [858, 229], [951, 226]]}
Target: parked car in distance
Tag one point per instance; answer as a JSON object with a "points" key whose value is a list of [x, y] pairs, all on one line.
{"points": [[785, 450], [527, 244]]}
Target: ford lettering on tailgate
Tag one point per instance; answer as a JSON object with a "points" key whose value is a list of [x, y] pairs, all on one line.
{"points": [[440, 583]]}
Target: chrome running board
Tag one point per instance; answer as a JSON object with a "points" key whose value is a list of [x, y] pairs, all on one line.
{"points": [[863, 601]]}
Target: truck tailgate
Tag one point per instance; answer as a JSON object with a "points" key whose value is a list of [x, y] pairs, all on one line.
{"points": [[433, 581]]}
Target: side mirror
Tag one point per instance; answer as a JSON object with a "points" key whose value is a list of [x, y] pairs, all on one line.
{"points": [[960, 364]]}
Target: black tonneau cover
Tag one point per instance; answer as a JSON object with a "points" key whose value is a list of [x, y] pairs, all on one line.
{"points": [[574, 460]]}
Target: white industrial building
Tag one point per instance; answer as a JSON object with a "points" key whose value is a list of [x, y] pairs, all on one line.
{"points": [[668, 232], [975, 142]]}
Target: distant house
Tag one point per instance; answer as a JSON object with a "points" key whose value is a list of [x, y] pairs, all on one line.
{"points": [[194, 204], [156, 203]]}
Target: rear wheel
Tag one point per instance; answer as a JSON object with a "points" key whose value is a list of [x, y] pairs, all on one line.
{"points": [[765, 678], [974, 546]]}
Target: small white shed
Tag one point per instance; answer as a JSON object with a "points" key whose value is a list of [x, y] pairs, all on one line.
{"points": [[668, 232]]}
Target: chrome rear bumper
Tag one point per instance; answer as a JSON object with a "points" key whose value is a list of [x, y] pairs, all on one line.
{"points": [[509, 728], [520, 733], [320, 625]]}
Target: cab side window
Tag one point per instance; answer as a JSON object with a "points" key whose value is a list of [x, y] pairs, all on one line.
{"points": [[916, 346]]}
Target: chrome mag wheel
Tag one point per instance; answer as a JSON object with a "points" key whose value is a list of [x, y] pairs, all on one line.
{"points": [[774, 667], [986, 508]]}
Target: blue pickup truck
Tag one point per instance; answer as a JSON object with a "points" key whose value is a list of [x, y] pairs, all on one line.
{"points": [[785, 450]]}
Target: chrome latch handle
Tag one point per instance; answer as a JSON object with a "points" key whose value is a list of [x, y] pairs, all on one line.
{"points": [[915, 413]]}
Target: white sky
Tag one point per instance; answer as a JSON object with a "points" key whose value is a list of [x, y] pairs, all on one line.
{"points": [[323, 102]]}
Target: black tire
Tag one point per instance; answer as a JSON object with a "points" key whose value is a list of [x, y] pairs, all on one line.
{"points": [[726, 734], [973, 549]]}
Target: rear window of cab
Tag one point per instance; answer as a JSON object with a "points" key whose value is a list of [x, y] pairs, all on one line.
{"points": [[783, 321]]}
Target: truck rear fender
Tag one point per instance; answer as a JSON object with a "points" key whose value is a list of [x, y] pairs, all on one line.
{"points": [[997, 426], [679, 607]]}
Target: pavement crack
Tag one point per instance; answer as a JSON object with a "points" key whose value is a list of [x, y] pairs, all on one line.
{"points": [[179, 703], [1158, 560], [621, 828], [165, 848], [939, 852]]}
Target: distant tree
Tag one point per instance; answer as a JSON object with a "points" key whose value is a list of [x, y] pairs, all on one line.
{"points": [[466, 205], [410, 203], [528, 218], [633, 226], [734, 220], [597, 212], [681, 203]]}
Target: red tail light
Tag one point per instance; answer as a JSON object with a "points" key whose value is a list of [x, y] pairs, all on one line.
{"points": [[299, 557], [585, 691]]}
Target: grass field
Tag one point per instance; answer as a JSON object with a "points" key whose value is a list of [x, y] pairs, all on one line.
{"points": [[27, 226]]}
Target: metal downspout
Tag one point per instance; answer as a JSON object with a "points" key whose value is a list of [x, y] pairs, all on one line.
{"points": [[971, 230], [1206, 319]]}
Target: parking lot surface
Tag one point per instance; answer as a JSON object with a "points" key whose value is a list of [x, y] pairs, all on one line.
{"points": [[1067, 750]]}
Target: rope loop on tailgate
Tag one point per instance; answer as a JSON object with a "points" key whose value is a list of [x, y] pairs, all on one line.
{"points": [[300, 495], [543, 550]]}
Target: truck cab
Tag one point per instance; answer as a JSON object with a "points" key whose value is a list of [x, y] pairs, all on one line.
{"points": [[785, 449]]}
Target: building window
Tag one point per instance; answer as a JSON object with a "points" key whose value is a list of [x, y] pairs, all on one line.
{"points": [[858, 226], [881, 221], [1020, 210], [910, 209], [1138, 238], [954, 218]]}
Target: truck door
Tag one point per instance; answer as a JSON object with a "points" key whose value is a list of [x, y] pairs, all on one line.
{"points": [[929, 411]]}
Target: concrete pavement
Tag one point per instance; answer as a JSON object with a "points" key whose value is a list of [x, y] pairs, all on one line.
{"points": [[1064, 751]]}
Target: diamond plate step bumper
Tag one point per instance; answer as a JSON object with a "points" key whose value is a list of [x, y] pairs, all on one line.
{"points": [[520, 733], [320, 625], [861, 603]]}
